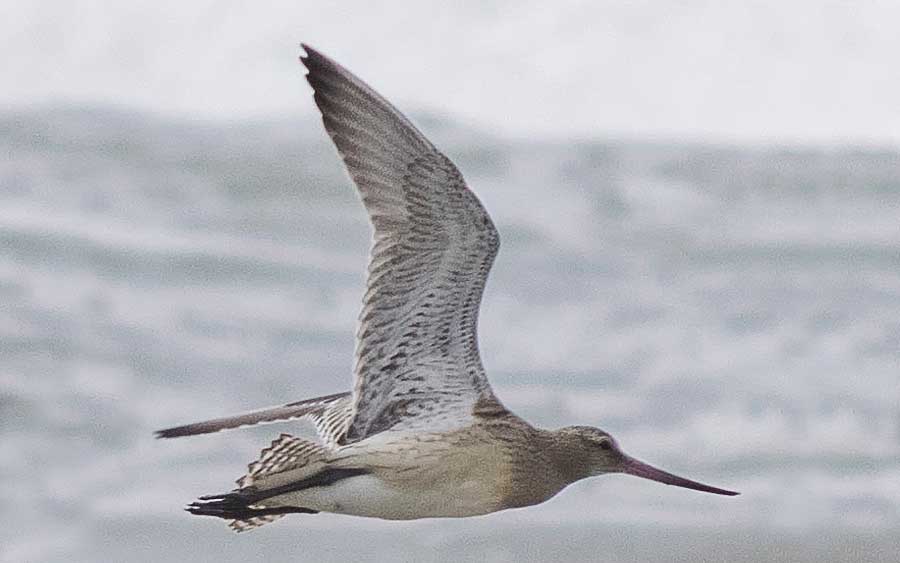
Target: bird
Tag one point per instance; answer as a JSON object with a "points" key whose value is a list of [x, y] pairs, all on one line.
{"points": [[422, 433]]}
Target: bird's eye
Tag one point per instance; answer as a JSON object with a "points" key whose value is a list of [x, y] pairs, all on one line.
{"points": [[606, 444]]}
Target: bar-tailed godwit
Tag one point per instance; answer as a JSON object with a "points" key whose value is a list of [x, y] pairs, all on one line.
{"points": [[422, 434]]}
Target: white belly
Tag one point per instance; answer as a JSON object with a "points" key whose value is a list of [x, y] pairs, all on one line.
{"points": [[367, 495]]}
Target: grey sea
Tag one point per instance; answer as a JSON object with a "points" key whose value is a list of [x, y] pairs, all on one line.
{"points": [[730, 313]]}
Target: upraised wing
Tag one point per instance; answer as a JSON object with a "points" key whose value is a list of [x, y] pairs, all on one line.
{"points": [[417, 361]]}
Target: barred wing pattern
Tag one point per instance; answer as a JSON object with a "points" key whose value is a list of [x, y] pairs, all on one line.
{"points": [[417, 361]]}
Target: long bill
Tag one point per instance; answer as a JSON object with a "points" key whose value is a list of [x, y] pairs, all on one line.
{"points": [[637, 468]]}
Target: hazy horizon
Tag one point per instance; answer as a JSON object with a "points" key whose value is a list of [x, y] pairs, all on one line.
{"points": [[767, 72]]}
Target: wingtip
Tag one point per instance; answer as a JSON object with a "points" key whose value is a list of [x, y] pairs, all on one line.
{"points": [[304, 54], [309, 53], [314, 60]]}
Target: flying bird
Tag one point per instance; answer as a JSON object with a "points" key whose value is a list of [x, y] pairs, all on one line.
{"points": [[422, 434]]}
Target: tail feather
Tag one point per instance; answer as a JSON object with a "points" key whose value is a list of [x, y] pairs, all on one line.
{"points": [[252, 523], [285, 453], [237, 507], [246, 506]]}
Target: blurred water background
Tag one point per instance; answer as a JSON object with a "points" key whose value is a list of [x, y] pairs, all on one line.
{"points": [[699, 207], [730, 313]]}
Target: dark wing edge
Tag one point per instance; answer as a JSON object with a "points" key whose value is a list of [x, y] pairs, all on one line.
{"points": [[316, 409]]}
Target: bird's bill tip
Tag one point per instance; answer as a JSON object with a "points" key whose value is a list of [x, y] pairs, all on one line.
{"points": [[646, 471]]}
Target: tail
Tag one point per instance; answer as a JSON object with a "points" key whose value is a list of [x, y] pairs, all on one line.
{"points": [[237, 507], [310, 407], [246, 506], [285, 453]]}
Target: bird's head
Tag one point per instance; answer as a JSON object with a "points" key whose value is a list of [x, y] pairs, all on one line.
{"points": [[599, 453]]}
